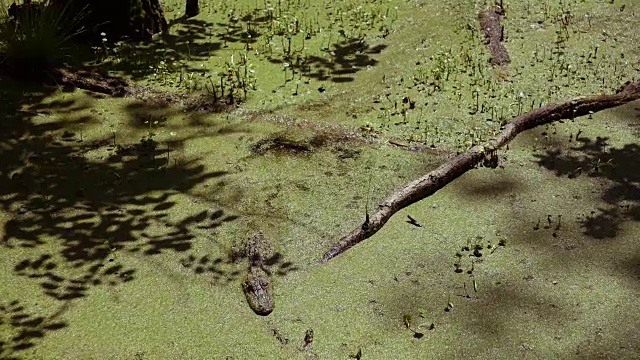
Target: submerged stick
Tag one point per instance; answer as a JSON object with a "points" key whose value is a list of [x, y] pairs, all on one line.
{"points": [[449, 171]]}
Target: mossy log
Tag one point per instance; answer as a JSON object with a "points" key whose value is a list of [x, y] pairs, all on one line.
{"points": [[494, 33]]}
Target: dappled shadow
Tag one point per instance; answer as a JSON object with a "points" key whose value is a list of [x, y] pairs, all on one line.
{"points": [[235, 31], [177, 59], [77, 204], [193, 39], [25, 328], [58, 192], [596, 159], [190, 40], [231, 268], [343, 58], [342, 62]]}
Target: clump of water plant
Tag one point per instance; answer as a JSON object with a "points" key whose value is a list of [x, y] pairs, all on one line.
{"points": [[237, 79]]}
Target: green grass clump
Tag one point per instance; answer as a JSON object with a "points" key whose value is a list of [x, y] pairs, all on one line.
{"points": [[37, 38]]}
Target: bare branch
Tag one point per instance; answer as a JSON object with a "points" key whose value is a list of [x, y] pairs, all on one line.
{"points": [[449, 171]]}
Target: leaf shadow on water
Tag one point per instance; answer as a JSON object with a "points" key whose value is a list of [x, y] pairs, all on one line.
{"points": [[227, 270], [569, 321], [191, 41], [615, 170], [28, 327], [344, 60], [346, 57], [619, 166], [69, 213]]}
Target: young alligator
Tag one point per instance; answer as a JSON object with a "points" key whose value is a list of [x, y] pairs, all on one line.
{"points": [[257, 287]]}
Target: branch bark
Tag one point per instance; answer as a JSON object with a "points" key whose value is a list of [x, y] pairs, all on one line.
{"points": [[449, 171]]}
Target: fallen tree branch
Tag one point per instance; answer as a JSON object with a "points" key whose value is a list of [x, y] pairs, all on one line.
{"points": [[449, 171]]}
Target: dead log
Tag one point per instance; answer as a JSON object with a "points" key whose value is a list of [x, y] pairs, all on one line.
{"points": [[494, 33], [449, 171]]}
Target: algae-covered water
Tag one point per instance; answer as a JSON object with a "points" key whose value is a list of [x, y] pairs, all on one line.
{"points": [[119, 216]]}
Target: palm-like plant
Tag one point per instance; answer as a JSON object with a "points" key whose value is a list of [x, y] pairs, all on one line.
{"points": [[36, 37]]}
